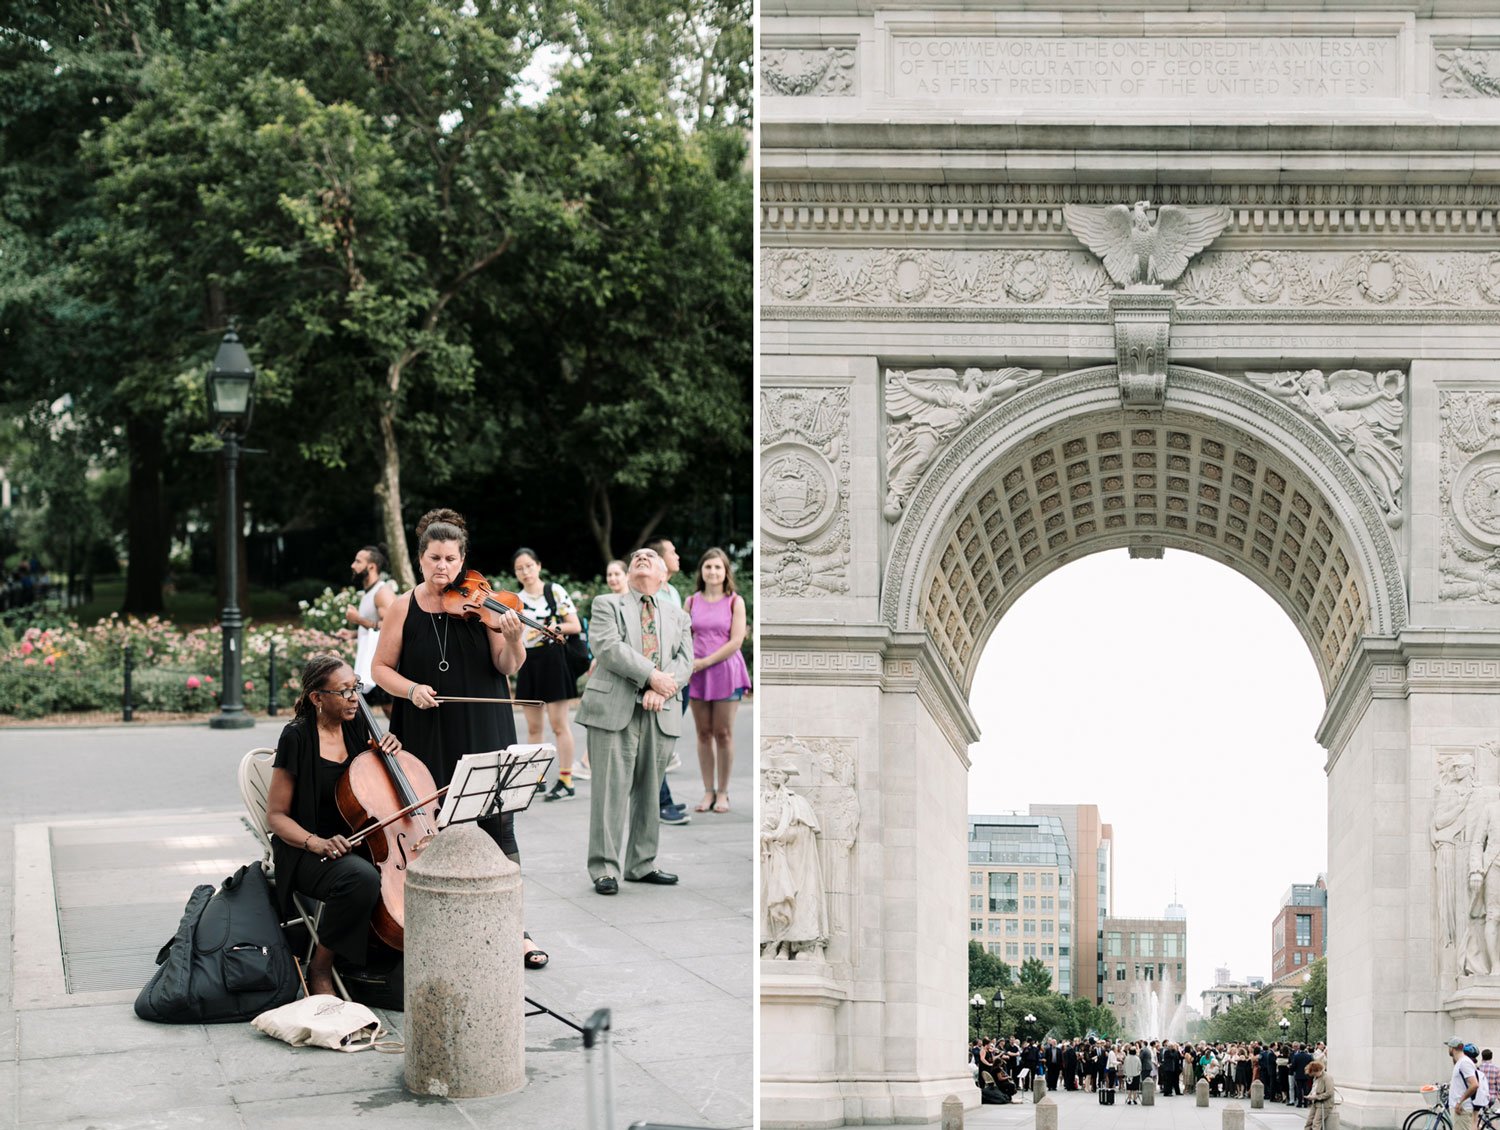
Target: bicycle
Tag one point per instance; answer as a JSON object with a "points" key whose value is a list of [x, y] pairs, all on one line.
{"points": [[1436, 1117]]}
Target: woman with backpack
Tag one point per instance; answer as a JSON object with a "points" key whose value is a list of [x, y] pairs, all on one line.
{"points": [[720, 678], [545, 674]]}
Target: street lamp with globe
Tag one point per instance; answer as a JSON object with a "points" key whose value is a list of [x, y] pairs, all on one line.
{"points": [[997, 1002], [231, 398], [1307, 1011], [1284, 1024], [976, 1002], [1030, 1020]]}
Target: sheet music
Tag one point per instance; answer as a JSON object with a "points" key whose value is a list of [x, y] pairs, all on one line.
{"points": [[511, 773]]}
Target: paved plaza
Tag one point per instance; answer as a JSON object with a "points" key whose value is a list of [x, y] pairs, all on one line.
{"points": [[103, 835]]}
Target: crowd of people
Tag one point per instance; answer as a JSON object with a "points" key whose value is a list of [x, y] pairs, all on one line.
{"points": [[1287, 1071], [652, 660]]}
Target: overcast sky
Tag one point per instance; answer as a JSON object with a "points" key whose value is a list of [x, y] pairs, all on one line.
{"points": [[1180, 699]]}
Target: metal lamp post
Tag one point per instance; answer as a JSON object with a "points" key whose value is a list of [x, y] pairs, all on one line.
{"points": [[997, 1002], [1307, 1011], [1030, 1020], [976, 1002], [231, 397], [1284, 1024]]}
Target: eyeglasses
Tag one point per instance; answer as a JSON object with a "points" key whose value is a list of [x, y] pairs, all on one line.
{"points": [[348, 694]]}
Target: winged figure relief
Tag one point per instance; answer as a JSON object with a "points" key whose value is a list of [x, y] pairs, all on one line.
{"points": [[1362, 411], [926, 408], [1137, 251]]}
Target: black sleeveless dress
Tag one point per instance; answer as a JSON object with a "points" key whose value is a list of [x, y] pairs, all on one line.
{"points": [[440, 737]]}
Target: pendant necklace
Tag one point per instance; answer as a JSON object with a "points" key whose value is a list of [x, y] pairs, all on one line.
{"points": [[442, 642]]}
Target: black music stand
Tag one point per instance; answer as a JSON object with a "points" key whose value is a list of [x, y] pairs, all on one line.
{"points": [[487, 784]]}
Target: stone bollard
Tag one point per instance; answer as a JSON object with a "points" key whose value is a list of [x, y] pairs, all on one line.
{"points": [[1202, 1092], [465, 1022], [1331, 1118], [1234, 1117], [1258, 1096], [953, 1113], [1038, 1088], [1148, 1091], [1046, 1112]]}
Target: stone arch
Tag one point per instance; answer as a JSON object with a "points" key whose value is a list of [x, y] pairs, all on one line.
{"points": [[1061, 471]]}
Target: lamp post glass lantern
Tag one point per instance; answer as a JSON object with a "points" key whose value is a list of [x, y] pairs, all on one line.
{"points": [[1030, 1020], [231, 399], [1284, 1024], [997, 1002], [976, 1002]]}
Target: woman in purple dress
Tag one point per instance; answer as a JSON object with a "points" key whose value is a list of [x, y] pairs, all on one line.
{"points": [[720, 678]]}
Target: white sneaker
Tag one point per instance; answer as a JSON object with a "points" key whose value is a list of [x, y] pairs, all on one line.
{"points": [[675, 763], [581, 773]]}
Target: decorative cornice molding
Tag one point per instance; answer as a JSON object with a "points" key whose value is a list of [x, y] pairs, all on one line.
{"points": [[1016, 283], [1084, 315]]}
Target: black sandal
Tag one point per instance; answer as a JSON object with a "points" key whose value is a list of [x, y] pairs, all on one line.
{"points": [[534, 959]]}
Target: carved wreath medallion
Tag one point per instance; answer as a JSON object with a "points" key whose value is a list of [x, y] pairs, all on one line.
{"points": [[1477, 492], [1260, 277], [1028, 278], [789, 274], [1380, 276], [909, 278]]}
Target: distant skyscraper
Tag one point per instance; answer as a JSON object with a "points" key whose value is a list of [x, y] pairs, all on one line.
{"points": [[1145, 968], [1091, 844], [1021, 892]]}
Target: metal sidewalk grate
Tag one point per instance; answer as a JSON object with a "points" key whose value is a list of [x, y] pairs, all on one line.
{"points": [[113, 947]]}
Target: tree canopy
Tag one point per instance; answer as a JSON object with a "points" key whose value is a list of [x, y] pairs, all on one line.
{"points": [[457, 288]]}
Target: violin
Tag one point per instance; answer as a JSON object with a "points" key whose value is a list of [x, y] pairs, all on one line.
{"points": [[471, 598], [385, 796]]}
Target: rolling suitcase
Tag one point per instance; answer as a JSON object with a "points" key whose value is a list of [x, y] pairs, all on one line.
{"points": [[1106, 1096]]}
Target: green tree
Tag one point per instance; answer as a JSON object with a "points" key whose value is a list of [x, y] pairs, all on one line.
{"points": [[986, 971], [1314, 992], [1242, 1021], [1035, 976]]}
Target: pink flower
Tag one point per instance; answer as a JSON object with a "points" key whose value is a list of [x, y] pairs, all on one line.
{"points": [[29, 663], [208, 678], [249, 686], [193, 683], [50, 661], [26, 648]]}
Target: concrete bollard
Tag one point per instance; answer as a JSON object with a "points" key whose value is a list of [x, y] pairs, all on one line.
{"points": [[1331, 1118], [1258, 1095], [1234, 1117], [1038, 1088], [1046, 1113], [1202, 1092], [1148, 1091], [465, 1013], [953, 1113]]}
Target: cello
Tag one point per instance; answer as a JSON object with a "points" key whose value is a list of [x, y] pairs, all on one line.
{"points": [[384, 796]]}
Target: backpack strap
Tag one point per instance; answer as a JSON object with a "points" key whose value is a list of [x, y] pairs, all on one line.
{"points": [[551, 598]]}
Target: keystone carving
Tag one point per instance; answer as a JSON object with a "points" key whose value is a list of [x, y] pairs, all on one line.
{"points": [[927, 408], [1143, 331], [1362, 412]]}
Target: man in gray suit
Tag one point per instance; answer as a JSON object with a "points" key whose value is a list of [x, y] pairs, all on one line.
{"points": [[644, 649]]}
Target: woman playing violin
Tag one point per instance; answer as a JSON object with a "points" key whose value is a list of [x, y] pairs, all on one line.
{"points": [[425, 653], [309, 851]]}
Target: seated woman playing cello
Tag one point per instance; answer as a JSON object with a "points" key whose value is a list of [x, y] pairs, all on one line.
{"points": [[309, 851]]}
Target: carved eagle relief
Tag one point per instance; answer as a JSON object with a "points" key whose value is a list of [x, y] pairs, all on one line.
{"points": [[1138, 252]]}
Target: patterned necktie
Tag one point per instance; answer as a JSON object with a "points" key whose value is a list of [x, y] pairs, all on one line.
{"points": [[650, 645]]}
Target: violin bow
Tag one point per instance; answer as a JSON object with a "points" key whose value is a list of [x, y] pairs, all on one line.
{"points": [[511, 701]]}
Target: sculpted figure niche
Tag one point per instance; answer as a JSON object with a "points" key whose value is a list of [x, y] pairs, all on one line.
{"points": [[794, 920], [1450, 819], [1482, 833], [928, 407], [1362, 411]]}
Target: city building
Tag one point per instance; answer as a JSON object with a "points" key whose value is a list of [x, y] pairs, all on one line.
{"points": [[1021, 892], [1145, 970], [1091, 845], [1226, 993], [1299, 930]]}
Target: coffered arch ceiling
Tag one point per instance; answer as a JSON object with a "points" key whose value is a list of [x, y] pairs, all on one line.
{"points": [[1261, 494]]}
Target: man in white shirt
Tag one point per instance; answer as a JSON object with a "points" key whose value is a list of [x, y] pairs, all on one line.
{"points": [[1463, 1087]]}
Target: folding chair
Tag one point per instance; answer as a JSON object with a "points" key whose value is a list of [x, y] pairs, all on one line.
{"points": [[255, 790]]}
